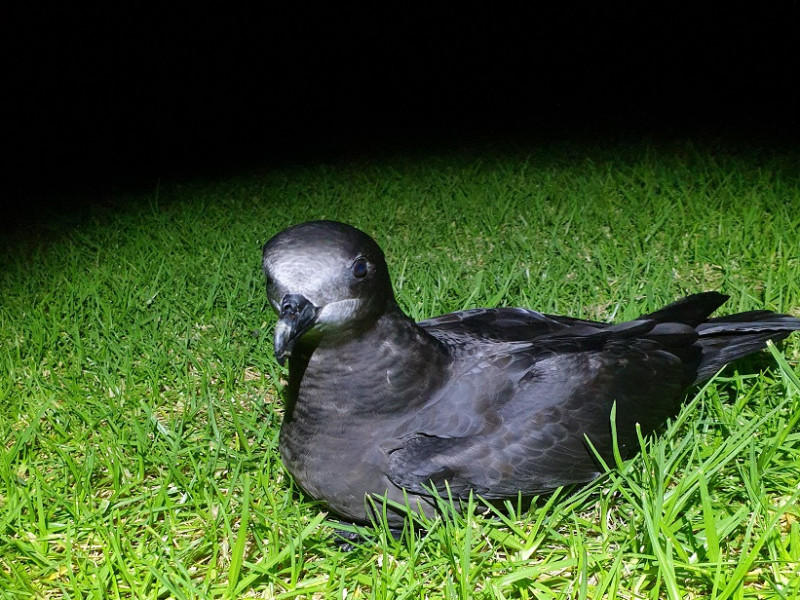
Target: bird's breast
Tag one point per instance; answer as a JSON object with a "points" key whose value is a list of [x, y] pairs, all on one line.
{"points": [[350, 406]]}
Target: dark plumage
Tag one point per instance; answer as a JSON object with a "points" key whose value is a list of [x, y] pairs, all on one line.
{"points": [[494, 401]]}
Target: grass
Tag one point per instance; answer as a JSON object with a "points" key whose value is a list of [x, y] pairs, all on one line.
{"points": [[139, 406]]}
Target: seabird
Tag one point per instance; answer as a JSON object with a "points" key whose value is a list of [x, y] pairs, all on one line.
{"points": [[494, 401]]}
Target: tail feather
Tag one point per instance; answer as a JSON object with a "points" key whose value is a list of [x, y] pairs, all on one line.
{"points": [[719, 339], [726, 339], [750, 315]]}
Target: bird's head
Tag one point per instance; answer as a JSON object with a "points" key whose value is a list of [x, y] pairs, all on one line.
{"points": [[324, 279]]}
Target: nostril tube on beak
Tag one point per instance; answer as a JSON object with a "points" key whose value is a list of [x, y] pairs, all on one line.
{"points": [[292, 304]]}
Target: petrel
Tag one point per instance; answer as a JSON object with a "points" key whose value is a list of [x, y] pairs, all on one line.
{"points": [[492, 401]]}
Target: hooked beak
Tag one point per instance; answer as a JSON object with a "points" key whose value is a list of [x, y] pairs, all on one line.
{"points": [[297, 315]]}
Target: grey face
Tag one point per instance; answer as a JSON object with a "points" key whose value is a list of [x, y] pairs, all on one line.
{"points": [[323, 277]]}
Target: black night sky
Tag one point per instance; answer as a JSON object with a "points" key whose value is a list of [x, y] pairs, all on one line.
{"points": [[122, 98]]}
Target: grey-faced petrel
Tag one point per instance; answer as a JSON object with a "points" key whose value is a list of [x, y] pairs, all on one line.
{"points": [[497, 401]]}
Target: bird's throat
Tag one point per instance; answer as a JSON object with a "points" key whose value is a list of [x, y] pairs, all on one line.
{"points": [[374, 372]]}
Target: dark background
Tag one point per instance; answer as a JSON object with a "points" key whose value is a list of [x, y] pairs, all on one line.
{"points": [[117, 99]]}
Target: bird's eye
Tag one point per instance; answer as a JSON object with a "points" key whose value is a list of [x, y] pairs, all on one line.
{"points": [[360, 267]]}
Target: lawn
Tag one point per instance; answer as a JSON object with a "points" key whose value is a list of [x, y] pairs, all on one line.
{"points": [[140, 401]]}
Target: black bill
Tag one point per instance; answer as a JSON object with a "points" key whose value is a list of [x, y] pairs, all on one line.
{"points": [[297, 315]]}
